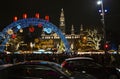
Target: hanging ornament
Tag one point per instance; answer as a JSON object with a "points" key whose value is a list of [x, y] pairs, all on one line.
{"points": [[24, 15], [31, 29], [15, 18], [39, 25], [47, 30], [18, 26], [21, 30], [13, 36], [10, 31], [47, 18], [37, 15]]}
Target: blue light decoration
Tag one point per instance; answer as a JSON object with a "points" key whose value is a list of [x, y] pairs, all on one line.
{"points": [[47, 30], [18, 26], [26, 22], [1, 35]]}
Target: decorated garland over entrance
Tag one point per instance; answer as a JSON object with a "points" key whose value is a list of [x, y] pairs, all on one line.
{"points": [[23, 23]]}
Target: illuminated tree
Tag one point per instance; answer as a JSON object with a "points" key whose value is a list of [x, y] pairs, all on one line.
{"points": [[94, 38], [61, 47]]}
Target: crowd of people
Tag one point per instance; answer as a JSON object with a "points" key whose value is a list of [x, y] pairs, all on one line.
{"points": [[105, 59]]}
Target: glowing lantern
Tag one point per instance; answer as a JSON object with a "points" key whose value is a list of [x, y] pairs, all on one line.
{"points": [[15, 18], [31, 29], [47, 18], [13, 36], [37, 15], [84, 39], [24, 15]]}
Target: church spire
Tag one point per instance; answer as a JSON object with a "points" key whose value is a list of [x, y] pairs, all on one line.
{"points": [[62, 21]]}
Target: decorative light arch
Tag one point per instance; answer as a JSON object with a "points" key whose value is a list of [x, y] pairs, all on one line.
{"points": [[23, 23]]}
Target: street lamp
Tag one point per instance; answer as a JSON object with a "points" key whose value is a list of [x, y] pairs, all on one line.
{"points": [[100, 2]]}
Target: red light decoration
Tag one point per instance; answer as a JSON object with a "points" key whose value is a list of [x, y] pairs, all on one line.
{"points": [[15, 18], [24, 15], [37, 15], [13, 36], [31, 29], [47, 18], [39, 25], [106, 46]]}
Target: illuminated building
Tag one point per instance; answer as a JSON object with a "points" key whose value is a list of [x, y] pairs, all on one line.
{"points": [[86, 40]]}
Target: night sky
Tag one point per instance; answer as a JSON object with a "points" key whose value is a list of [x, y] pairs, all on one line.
{"points": [[76, 12]]}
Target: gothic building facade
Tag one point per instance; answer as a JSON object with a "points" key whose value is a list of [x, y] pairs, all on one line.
{"points": [[86, 40]]}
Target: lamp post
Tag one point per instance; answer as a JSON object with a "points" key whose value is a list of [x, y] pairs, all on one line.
{"points": [[100, 2]]}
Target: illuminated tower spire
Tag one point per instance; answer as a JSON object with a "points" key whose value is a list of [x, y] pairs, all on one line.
{"points": [[72, 30], [81, 27], [62, 21]]}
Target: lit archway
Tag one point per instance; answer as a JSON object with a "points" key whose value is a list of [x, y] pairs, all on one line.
{"points": [[23, 23]]}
